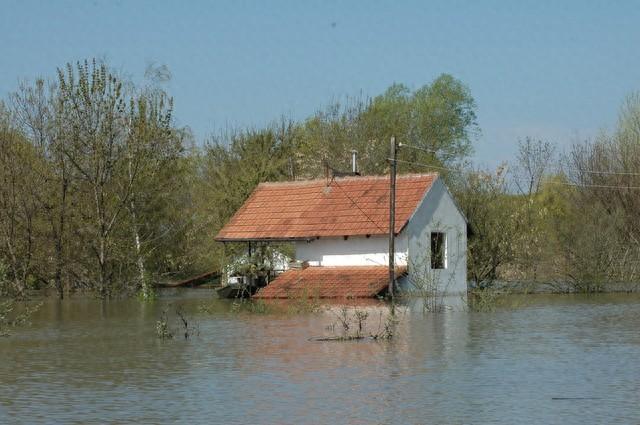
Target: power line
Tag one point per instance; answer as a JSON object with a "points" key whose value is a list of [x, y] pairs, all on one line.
{"points": [[428, 166], [420, 148], [358, 207], [596, 186], [613, 173], [600, 186], [620, 173]]}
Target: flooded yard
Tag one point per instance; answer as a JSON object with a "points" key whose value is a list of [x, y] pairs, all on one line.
{"points": [[547, 359]]}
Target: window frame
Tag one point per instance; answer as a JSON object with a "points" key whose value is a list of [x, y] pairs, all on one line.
{"points": [[442, 251]]}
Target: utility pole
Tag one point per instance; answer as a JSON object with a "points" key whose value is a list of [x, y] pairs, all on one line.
{"points": [[392, 216]]}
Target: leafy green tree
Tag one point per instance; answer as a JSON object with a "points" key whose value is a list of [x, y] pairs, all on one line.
{"points": [[154, 151], [109, 166], [437, 123], [21, 183], [37, 115], [605, 201], [229, 169], [493, 223]]}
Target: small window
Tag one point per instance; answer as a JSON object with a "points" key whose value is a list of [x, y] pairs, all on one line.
{"points": [[438, 250]]}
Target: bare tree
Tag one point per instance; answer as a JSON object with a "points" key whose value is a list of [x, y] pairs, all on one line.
{"points": [[534, 161]]}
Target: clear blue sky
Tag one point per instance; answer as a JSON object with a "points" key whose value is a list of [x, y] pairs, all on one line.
{"points": [[551, 69]]}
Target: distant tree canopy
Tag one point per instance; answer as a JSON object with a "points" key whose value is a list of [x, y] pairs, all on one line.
{"points": [[438, 118], [101, 191], [94, 185], [606, 201]]}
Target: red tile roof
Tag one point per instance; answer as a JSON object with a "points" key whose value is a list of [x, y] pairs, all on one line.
{"points": [[307, 209], [329, 282]]}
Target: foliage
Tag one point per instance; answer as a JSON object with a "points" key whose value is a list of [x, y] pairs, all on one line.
{"points": [[482, 300], [352, 323], [487, 204], [575, 227], [101, 191], [186, 326], [94, 166], [14, 314], [227, 170], [261, 263], [439, 118], [162, 327], [598, 231]]}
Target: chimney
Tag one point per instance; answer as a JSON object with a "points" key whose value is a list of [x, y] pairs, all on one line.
{"points": [[325, 164], [354, 162]]}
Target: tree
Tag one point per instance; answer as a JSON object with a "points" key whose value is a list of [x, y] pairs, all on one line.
{"points": [[229, 169], [153, 156], [533, 162], [533, 165], [104, 167], [20, 227], [437, 123], [485, 200], [604, 174], [37, 115]]}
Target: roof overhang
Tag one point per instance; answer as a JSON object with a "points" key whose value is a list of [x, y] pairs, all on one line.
{"points": [[274, 239], [302, 238]]}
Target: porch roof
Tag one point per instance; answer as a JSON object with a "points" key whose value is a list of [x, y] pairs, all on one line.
{"points": [[330, 282]]}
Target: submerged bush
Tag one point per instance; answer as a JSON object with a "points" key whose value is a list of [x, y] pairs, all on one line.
{"points": [[482, 300], [12, 315], [162, 327], [352, 324]]}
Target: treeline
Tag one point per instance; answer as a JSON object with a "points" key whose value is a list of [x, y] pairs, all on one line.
{"points": [[90, 171], [568, 219], [101, 191]]}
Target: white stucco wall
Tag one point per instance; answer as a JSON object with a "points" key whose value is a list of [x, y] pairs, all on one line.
{"points": [[355, 251], [437, 213]]}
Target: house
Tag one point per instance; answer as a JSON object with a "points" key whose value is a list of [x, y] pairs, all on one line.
{"points": [[339, 228]]}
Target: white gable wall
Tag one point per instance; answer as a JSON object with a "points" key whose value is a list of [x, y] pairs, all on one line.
{"points": [[437, 212], [354, 251]]}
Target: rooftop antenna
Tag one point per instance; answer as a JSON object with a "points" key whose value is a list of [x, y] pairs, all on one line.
{"points": [[354, 162], [325, 164]]}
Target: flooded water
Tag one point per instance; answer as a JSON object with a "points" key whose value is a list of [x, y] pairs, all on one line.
{"points": [[549, 359]]}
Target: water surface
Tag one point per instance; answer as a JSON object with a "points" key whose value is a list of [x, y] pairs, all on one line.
{"points": [[549, 359]]}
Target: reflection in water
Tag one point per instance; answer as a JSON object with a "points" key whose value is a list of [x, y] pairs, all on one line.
{"points": [[87, 360]]}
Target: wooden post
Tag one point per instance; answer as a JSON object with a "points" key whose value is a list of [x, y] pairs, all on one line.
{"points": [[250, 252], [392, 216]]}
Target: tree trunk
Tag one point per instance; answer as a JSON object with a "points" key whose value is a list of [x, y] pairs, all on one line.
{"points": [[59, 238], [102, 277], [146, 290]]}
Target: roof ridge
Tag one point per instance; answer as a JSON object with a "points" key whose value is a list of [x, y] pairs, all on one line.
{"points": [[352, 178]]}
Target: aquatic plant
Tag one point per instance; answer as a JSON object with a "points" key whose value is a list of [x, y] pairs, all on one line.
{"points": [[482, 300], [352, 323], [12, 316], [187, 327], [147, 293], [162, 327], [305, 301]]}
